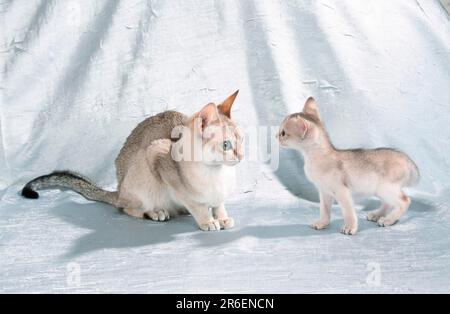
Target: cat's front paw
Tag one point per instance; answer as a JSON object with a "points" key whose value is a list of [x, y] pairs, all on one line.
{"points": [[386, 222], [320, 224], [349, 230], [212, 225], [227, 223], [157, 215]]}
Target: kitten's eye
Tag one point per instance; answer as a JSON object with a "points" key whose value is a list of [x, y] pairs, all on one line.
{"points": [[227, 145], [283, 133]]}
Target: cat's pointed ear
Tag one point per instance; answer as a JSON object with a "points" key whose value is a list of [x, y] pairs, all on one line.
{"points": [[310, 107], [225, 107], [302, 127], [205, 116]]}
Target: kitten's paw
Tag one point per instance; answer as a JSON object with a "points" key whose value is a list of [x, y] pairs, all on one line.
{"points": [[374, 216], [386, 222], [227, 223], [320, 224], [212, 225], [157, 215], [349, 230]]}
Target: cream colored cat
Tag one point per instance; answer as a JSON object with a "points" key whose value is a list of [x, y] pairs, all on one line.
{"points": [[338, 174], [169, 164]]}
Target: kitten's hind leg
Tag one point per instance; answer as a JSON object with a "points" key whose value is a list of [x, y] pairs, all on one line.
{"points": [[400, 202], [376, 214], [326, 201]]}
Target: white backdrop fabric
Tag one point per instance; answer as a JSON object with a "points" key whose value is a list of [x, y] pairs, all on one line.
{"points": [[77, 77]]}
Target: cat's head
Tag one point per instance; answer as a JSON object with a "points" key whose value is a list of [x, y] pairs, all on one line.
{"points": [[303, 129], [218, 135]]}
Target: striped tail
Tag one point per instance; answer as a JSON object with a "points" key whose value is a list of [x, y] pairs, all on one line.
{"points": [[73, 181]]}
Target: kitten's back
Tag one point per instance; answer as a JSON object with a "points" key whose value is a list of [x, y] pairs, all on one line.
{"points": [[391, 164]]}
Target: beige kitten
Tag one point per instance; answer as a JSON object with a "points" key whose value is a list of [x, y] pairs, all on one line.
{"points": [[169, 164], [338, 174]]}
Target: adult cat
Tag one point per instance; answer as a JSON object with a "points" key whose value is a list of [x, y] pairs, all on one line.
{"points": [[169, 164]]}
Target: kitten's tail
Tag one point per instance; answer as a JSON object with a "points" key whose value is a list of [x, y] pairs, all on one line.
{"points": [[71, 180], [414, 174]]}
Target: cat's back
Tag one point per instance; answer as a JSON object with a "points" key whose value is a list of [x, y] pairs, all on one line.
{"points": [[156, 127], [390, 164], [377, 157]]}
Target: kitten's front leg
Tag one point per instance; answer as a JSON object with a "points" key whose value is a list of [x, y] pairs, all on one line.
{"points": [[345, 200], [220, 213], [326, 201]]}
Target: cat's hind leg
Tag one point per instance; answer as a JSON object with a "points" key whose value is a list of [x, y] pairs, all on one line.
{"points": [[376, 214], [400, 202], [156, 215], [141, 194], [138, 205], [156, 149], [130, 205], [137, 209]]}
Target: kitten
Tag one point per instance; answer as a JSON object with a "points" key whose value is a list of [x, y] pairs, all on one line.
{"points": [[338, 174], [152, 184]]}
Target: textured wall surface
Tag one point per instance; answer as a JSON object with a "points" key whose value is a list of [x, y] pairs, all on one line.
{"points": [[77, 76]]}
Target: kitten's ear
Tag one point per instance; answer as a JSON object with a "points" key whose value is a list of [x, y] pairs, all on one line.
{"points": [[296, 125], [310, 107], [302, 126], [225, 107], [206, 115]]}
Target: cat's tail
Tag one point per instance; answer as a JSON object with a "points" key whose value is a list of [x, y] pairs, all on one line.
{"points": [[73, 181], [414, 173]]}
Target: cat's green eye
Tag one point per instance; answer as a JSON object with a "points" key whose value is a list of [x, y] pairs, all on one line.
{"points": [[227, 145]]}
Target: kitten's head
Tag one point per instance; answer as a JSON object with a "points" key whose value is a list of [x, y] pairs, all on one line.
{"points": [[218, 134], [303, 129]]}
